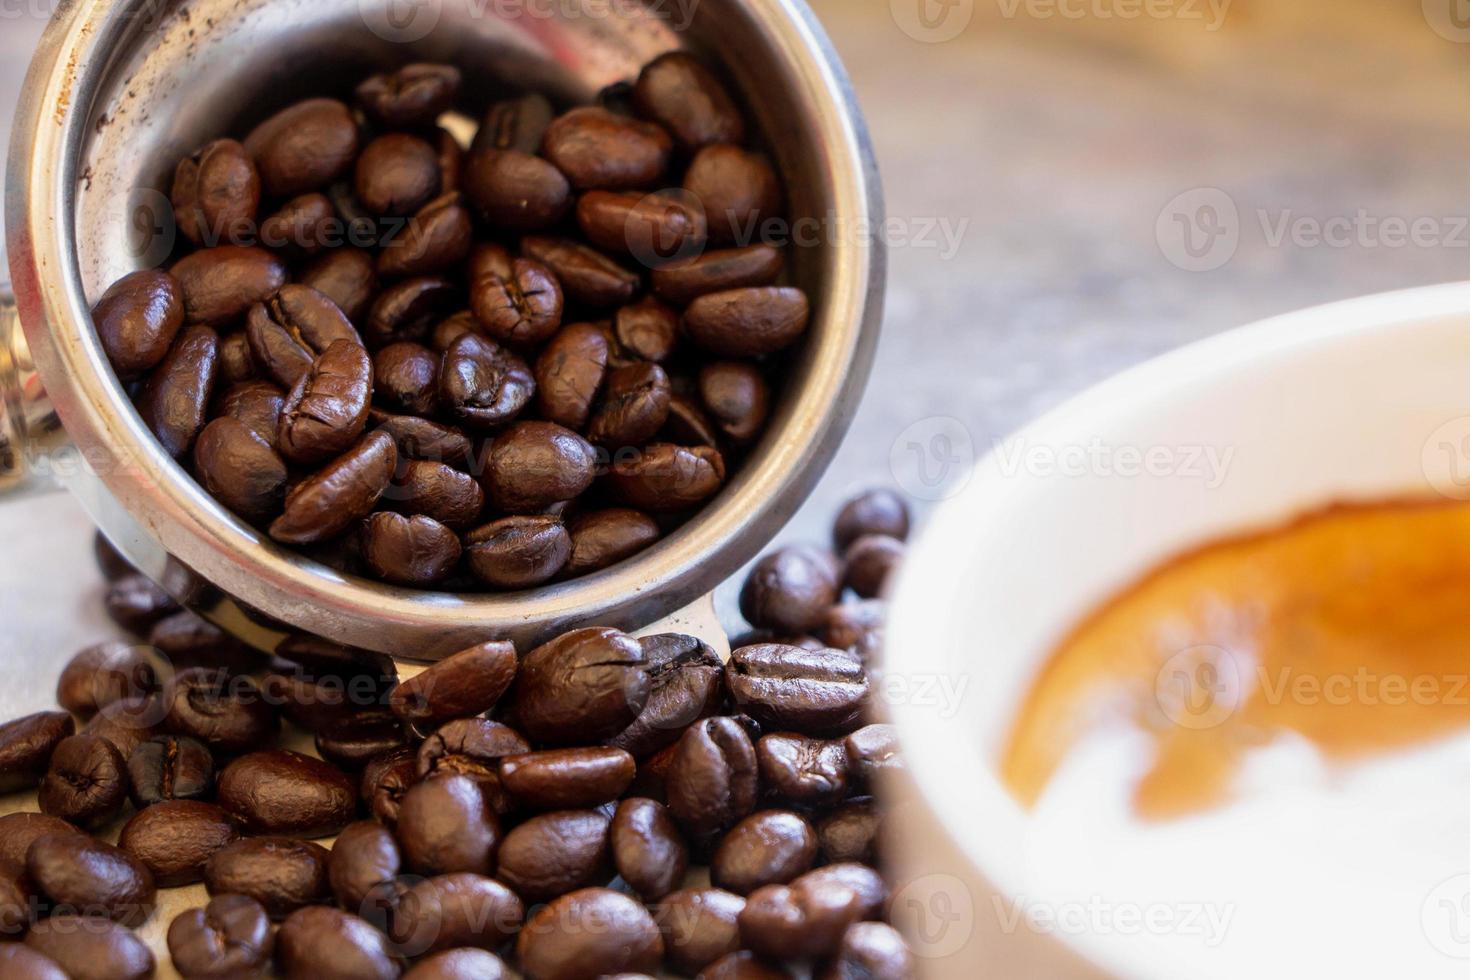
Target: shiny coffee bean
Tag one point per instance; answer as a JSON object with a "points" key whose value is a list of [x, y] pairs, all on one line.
{"points": [[569, 374], [686, 684], [872, 512], [137, 320], [413, 96], [869, 561], [344, 491], [850, 833], [603, 538], [699, 927], [688, 424], [665, 478], [472, 747], [236, 364], [397, 174], [870, 951], [169, 767], [446, 824], [437, 490], [304, 147], [456, 910], [302, 227], [240, 469], [221, 284], [738, 189], [418, 438], [86, 783], [814, 692], [135, 603], [737, 397], [588, 278], [565, 779], [532, 465], [634, 407], [281, 874], [483, 384], [459, 964], [351, 743], [18, 831], [678, 91], [407, 310], [258, 404], [517, 552], [294, 327], [516, 124], [466, 684], [26, 747], [90, 947], [325, 942], [647, 329], [86, 876], [808, 918], [713, 776], [589, 933], [188, 640], [554, 853], [229, 937], [681, 283], [515, 191], [752, 322], [802, 770], [385, 780], [225, 711], [19, 962], [215, 193], [176, 396], [521, 305], [327, 410], [437, 237], [790, 590], [856, 627], [648, 851], [767, 848], [363, 867], [598, 149], [872, 752], [280, 792], [413, 551], [18, 903], [346, 276], [584, 686], [362, 229], [652, 228], [175, 839]]}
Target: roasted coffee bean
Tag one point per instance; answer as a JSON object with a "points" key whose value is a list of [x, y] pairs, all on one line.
{"points": [[279, 873], [688, 425], [872, 752], [446, 824], [605, 537], [814, 692], [344, 491], [808, 918], [406, 310], [517, 552], [664, 478], [385, 780], [743, 965], [229, 937], [519, 306], [554, 853], [648, 850], [324, 942], [686, 684], [187, 640], [175, 839], [652, 228], [89, 947], [128, 723], [870, 951], [767, 848], [26, 746], [135, 603], [584, 686], [647, 329], [569, 374], [353, 742], [294, 328], [240, 469], [737, 397], [280, 792], [18, 907], [414, 551], [598, 149], [516, 191], [137, 320], [397, 174], [346, 276], [850, 833], [869, 561], [681, 283], [18, 831], [413, 96], [468, 683], [258, 404], [236, 363], [436, 238], [790, 590], [856, 627], [363, 229], [516, 124], [698, 926], [871, 512], [437, 490], [456, 910], [418, 438], [86, 783], [712, 777], [802, 770], [532, 465], [19, 962], [738, 189], [684, 96], [587, 277], [362, 870], [634, 406], [304, 147], [176, 396], [226, 712], [216, 193], [482, 383], [750, 322], [472, 747], [221, 284], [327, 410], [589, 933], [169, 767], [565, 779], [459, 964], [303, 226], [79, 874]]}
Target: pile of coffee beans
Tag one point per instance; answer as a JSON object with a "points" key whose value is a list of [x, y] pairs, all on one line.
{"points": [[599, 806], [468, 370]]}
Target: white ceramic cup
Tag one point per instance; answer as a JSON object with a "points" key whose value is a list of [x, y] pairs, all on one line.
{"points": [[1359, 400]]}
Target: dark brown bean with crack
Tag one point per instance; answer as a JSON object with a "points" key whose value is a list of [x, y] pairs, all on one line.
{"points": [[791, 589], [352, 742], [385, 780], [26, 746], [647, 329], [652, 228], [258, 404], [518, 552], [587, 277], [686, 684], [437, 490], [328, 408], [688, 424], [137, 320], [698, 926], [664, 477], [215, 193], [225, 711], [175, 839], [767, 848], [555, 853], [814, 692], [802, 770], [414, 95], [413, 551], [713, 776], [86, 783], [681, 283], [406, 378], [521, 305], [229, 937], [79, 874], [436, 238], [533, 465], [169, 767], [598, 149], [281, 874], [89, 947], [174, 401], [564, 779], [516, 191], [583, 686], [456, 910], [483, 384], [752, 322], [680, 92], [341, 493], [346, 276], [446, 824], [569, 374], [737, 397], [326, 942], [472, 747], [240, 469], [220, 284], [292, 329], [303, 147], [589, 933], [281, 792], [738, 189], [603, 538], [634, 407], [516, 124], [407, 310], [648, 851], [304, 226], [362, 869], [465, 684]]}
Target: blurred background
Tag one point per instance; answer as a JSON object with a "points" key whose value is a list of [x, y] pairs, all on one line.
{"points": [[1077, 185]]}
